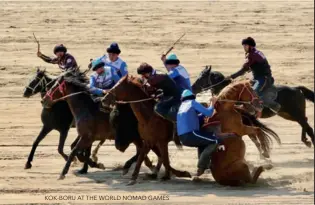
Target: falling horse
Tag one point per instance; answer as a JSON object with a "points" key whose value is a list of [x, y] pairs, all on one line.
{"points": [[154, 130], [229, 167], [291, 99], [91, 123]]}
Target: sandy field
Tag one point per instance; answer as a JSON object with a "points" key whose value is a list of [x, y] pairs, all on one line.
{"points": [[284, 31]]}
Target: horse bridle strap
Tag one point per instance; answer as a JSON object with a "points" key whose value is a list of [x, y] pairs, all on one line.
{"points": [[42, 81]]}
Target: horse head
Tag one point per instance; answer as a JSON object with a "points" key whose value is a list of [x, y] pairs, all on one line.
{"points": [[37, 83], [209, 80], [128, 88], [240, 92], [65, 85]]}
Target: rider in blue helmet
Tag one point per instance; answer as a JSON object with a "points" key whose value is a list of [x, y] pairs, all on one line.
{"points": [[103, 78], [188, 128]]}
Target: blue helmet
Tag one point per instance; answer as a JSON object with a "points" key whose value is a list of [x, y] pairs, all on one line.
{"points": [[97, 64], [187, 94]]}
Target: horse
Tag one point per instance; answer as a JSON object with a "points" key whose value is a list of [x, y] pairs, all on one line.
{"points": [[91, 123], [154, 130], [291, 99], [58, 118], [229, 167]]}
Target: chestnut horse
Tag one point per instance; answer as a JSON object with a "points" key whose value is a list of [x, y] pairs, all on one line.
{"points": [[154, 130], [91, 123], [229, 167]]}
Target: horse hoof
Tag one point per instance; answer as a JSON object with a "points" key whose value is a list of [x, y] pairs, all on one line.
{"points": [[308, 143], [196, 179], [101, 166], [28, 166], [132, 182], [150, 176], [62, 177], [125, 171], [82, 171], [95, 158], [268, 166], [256, 173], [165, 178], [153, 169], [186, 174]]}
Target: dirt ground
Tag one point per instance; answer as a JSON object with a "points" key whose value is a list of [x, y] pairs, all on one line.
{"points": [[284, 31]]}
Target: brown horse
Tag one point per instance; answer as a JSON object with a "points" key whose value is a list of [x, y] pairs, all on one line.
{"points": [[229, 167], [154, 130], [91, 123]]}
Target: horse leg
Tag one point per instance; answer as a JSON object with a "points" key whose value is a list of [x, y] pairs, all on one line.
{"points": [[81, 144], [62, 139], [143, 152], [76, 158], [156, 169], [85, 167], [163, 147], [94, 153], [42, 134], [306, 128]]}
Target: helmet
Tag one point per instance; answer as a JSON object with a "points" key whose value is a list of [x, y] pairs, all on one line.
{"points": [[187, 94], [249, 41], [97, 64], [144, 68], [172, 59], [60, 48]]}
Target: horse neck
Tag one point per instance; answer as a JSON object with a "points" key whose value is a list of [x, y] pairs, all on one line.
{"points": [[142, 110], [46, 82], [81, 104], [229, 93]]}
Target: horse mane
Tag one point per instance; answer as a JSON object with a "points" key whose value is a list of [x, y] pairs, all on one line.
{"points": [[77, 78], [231, 88]]}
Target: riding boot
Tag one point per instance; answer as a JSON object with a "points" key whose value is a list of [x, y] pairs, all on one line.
{"points": [[205, 157]]}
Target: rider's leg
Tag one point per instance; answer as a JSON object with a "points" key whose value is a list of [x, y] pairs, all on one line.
{"points": [[164, 105], [268, 100]]}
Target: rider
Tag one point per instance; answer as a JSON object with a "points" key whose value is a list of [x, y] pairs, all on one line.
{"points": [[64, 60], [177, 72], [160, 83], [113, 60], [258, 64], [103, 79], [188, 128]]}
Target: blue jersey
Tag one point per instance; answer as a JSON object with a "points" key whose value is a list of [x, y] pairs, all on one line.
{"points": [[119, 65], [180, 75], [104, 81], [187, 116]]}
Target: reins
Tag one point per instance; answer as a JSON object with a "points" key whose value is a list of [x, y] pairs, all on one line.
{"points": [[70, 95]]}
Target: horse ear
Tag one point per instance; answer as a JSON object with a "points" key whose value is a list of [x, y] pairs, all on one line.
{"points": [[209, 67]]}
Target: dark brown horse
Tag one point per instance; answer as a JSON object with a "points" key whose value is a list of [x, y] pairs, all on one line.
{"points": [[154, 130], [91, 123], [229, 167]]}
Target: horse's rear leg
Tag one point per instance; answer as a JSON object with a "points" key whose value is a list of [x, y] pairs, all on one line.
{"points": [[144, 150], [42, 134], [94, 153], [156, 170], [163, 147]]}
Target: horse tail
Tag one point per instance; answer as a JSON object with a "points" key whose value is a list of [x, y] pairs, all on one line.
{"points": [[265, 138], [308, 94]]}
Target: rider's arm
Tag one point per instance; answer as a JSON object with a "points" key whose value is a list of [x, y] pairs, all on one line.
{"points": [[48, 59], [173, 73], [205, 111], [115, 76], [94, 90], [244, 69], [123, 69]]}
